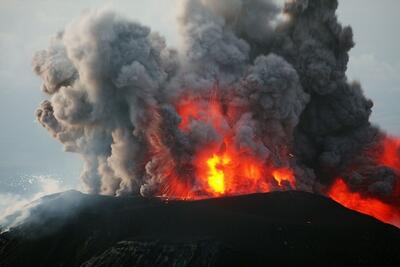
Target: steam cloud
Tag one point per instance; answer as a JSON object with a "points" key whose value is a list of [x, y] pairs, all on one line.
{"points": [[114, 84]]}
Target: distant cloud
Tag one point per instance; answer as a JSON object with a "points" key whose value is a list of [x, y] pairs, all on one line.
{"points": [[10, 203]]}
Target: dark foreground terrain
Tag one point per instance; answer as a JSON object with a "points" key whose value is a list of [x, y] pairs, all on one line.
{"points": [[283, 228]]}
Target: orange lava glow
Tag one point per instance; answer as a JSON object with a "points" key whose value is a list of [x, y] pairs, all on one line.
{"points": [[230, 173], [390, 156], [216, 173], [341, 193], [284, 174], [208, 111], [221, 167]]}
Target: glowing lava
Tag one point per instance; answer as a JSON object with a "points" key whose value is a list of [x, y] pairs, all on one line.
{"points": [[367, 205], [387, 153], [221, 167], [208, 111], [230, 173], [284, 174], [216, 174], [390, 156]]}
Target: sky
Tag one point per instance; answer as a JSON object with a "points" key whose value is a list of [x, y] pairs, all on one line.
{"points": [[32, 162]]}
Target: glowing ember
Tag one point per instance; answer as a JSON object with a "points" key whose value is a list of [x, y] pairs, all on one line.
{"points": [[284, 174], [230, 173], [220, 167], [370, 206], [390, 158], [387, 153], [391, 153], [208, 111], [216, 175]]}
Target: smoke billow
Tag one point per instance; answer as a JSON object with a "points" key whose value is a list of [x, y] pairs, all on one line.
{"points": [[273, 87]]}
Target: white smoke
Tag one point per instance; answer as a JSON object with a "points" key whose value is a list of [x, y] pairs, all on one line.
{"points": [[11, 203]]}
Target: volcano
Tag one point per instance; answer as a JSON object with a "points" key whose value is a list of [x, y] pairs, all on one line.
{"points": [[255, 100], [278, 228], [214, 146]]}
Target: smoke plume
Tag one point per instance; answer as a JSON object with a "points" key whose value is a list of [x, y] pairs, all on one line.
{"points": [[248, 82]]}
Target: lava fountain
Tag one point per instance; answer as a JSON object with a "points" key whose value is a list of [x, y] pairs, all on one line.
{"points": [[221, 167]]}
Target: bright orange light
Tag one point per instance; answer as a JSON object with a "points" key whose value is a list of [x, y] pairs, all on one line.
{"points": [[252, 171], [370, 206], [221, 167], [216, 174], [390, 156], [229, 172], [207, 111], [284, 174]]}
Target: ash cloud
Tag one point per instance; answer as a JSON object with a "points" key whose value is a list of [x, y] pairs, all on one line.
{"points": [[113, 86]]}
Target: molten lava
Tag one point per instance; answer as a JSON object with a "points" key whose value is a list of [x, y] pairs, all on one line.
{"points": [[230, 173], [284, 174], [390, 156], [341, 193], [208, 111], [216, 174], [220, 167], [386, 153]]}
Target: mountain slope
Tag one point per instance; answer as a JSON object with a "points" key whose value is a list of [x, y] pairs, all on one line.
{"points": [[281, 228]]}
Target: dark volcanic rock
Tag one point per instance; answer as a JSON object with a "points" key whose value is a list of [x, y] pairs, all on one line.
{"points": [[282, 228], [155, 253]]}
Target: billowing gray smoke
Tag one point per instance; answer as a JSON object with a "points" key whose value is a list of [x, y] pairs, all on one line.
{"points": [[115, 90]]}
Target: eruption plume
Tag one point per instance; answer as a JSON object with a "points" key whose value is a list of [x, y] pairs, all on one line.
{"points": [[250, 103]]}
